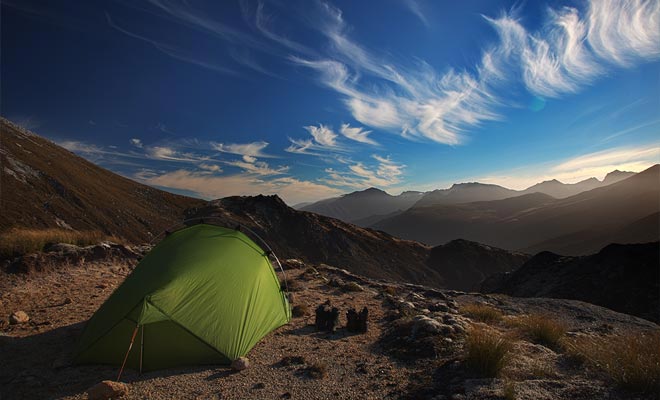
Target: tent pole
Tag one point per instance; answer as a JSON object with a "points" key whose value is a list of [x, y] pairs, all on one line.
{"points": [[141, 346], [127, 352]]}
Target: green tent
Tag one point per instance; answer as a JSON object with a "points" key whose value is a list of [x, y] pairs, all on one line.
{"points": [[204, 295]]}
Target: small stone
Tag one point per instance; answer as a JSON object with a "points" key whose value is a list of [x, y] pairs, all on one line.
{"points": [[240, 364], [259, 385], [107, 390], [67, 301], [101, 286], [19, 317], [285, 395]]}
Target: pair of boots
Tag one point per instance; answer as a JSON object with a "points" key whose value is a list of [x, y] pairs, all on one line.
{"points": [[327, 318]]}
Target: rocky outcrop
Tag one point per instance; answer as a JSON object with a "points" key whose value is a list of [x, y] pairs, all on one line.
{"points": [[624, 278], [464, 264]]}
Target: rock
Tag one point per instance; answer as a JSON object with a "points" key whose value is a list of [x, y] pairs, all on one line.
{"points": [[327, 317], [439, 307], [19, 317], [352, 287], [240, 364], [107, 390], [357, 322], [425, 326]]}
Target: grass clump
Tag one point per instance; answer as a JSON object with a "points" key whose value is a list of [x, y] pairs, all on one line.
{"points": [[542, 329], [300, 310], [17, 241], [487, 352], [631, 360], [482, 312]]}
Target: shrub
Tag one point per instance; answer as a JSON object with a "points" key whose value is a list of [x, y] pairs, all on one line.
{"points": [[17, 241], [487, 352], [631, 360], [482, 312], [391, 290], [542, 329]]}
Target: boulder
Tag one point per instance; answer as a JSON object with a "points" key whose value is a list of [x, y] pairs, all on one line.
{"points": [[240, 364], [19, 317], [107, 390], [423, 325]]}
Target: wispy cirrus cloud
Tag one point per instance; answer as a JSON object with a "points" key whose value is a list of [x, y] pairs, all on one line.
{"points": [[357, 134], [568, 52], [416, 8], [384, 173], [323, 139], [249, 151]]}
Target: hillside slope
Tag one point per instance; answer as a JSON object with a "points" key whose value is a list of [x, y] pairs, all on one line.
{"points": [[45, 186], [623, 278], [464, 264], [319, 239]]}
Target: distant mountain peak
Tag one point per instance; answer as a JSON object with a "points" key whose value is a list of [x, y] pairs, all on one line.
{"points": [[616, 176], [372, 191]]}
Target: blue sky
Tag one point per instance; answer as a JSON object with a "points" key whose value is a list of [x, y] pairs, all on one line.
{"points": [[312, 99]]}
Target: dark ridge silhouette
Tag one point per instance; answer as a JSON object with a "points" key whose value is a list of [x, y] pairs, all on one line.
{"points": [[621, 277]]}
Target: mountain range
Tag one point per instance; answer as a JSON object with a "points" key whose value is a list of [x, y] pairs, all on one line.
{"points": [[368, 207], [624, 212]]}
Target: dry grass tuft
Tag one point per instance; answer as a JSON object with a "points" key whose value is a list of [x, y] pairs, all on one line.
{"points": [[487, 352], [391, 290], [542, 329], [300, 310], [17, 241], [631, 360], [482, 312]]}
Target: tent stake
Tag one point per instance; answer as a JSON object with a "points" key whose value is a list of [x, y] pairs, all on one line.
{"points": [[128, 351]]}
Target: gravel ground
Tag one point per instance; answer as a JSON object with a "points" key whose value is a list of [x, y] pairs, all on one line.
{"points": [[35, 355]]}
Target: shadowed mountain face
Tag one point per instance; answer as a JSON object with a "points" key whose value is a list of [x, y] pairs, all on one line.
{"points": [[319, 239], [624, 278], [46, 186], [464, 264], [369, 203], [579, 224]]}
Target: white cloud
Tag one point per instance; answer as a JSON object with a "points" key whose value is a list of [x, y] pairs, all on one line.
{"points": [[291, 190], [258, 168], [415, 7], [81, 147], [167, 153], [212, 168], [322, 135], [323, 140], [251, 150], [567, 52], [136, 142], [621, 31], [360, 176], [358, 134]]}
